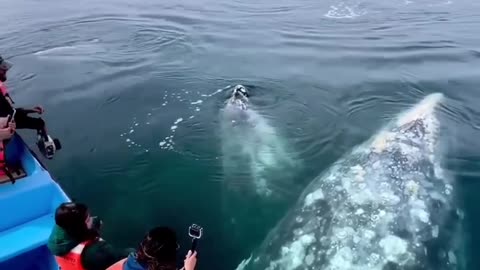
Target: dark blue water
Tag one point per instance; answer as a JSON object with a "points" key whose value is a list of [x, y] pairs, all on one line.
{"points": [[115, 77]]}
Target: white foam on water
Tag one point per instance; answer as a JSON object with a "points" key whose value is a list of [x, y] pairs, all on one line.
{"points": [[197, 102], [344, 11], [178, 121], [182, 97], [216, 92], [244, 263]]}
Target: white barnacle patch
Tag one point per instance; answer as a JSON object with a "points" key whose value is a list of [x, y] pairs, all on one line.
{"points": [[373, 259], [435, 231], [448, 189], [368, 234], [312, 197], [420, 214], [359, 173], [393, 247], [390, 198], [293, 255], [331, 178], [342, 259], [342, 233], [452, 258], [356, 239], [309, 259], [418, 211], [411, 187], [381, 142]]}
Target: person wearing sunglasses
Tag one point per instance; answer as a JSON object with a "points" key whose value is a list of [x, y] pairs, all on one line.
{"points": [[76, 243], [157, 251]]}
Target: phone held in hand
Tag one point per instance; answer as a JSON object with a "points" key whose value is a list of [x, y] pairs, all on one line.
{"points": [[12, 117]]}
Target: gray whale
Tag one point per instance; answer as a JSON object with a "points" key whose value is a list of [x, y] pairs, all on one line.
{"points": [[382, 206]]}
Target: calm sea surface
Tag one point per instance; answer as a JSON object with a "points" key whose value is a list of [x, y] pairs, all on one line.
{"points": [[135, 89]]}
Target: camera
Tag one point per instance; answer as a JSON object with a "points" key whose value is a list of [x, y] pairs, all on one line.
{"points": [[195, 231]]}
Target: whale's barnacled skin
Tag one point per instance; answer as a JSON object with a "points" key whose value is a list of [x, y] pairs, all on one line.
{"points": [[379, 207]]}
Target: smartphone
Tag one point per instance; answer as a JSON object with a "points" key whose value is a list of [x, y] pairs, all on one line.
{"points": [[12, 118]]}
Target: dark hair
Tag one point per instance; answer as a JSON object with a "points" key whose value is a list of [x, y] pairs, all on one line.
{"points": [[71, 218], [158, 249]]}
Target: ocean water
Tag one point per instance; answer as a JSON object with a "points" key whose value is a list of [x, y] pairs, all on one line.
{"points": [[135, 91]]}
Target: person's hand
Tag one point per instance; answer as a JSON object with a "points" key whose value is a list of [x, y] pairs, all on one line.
{"points": [[12, 126], [38, 109], [7, 133], [190, 260]]}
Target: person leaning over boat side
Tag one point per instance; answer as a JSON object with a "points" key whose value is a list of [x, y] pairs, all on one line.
{"points": [[22, 119], [157, 251], [21, 116], [75, 240]]}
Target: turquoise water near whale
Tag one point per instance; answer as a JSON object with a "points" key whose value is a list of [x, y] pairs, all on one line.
{"points": [[117, 77]]}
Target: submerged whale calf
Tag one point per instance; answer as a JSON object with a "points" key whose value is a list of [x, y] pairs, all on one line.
{"points": [[383, 206], [252, 148]]}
